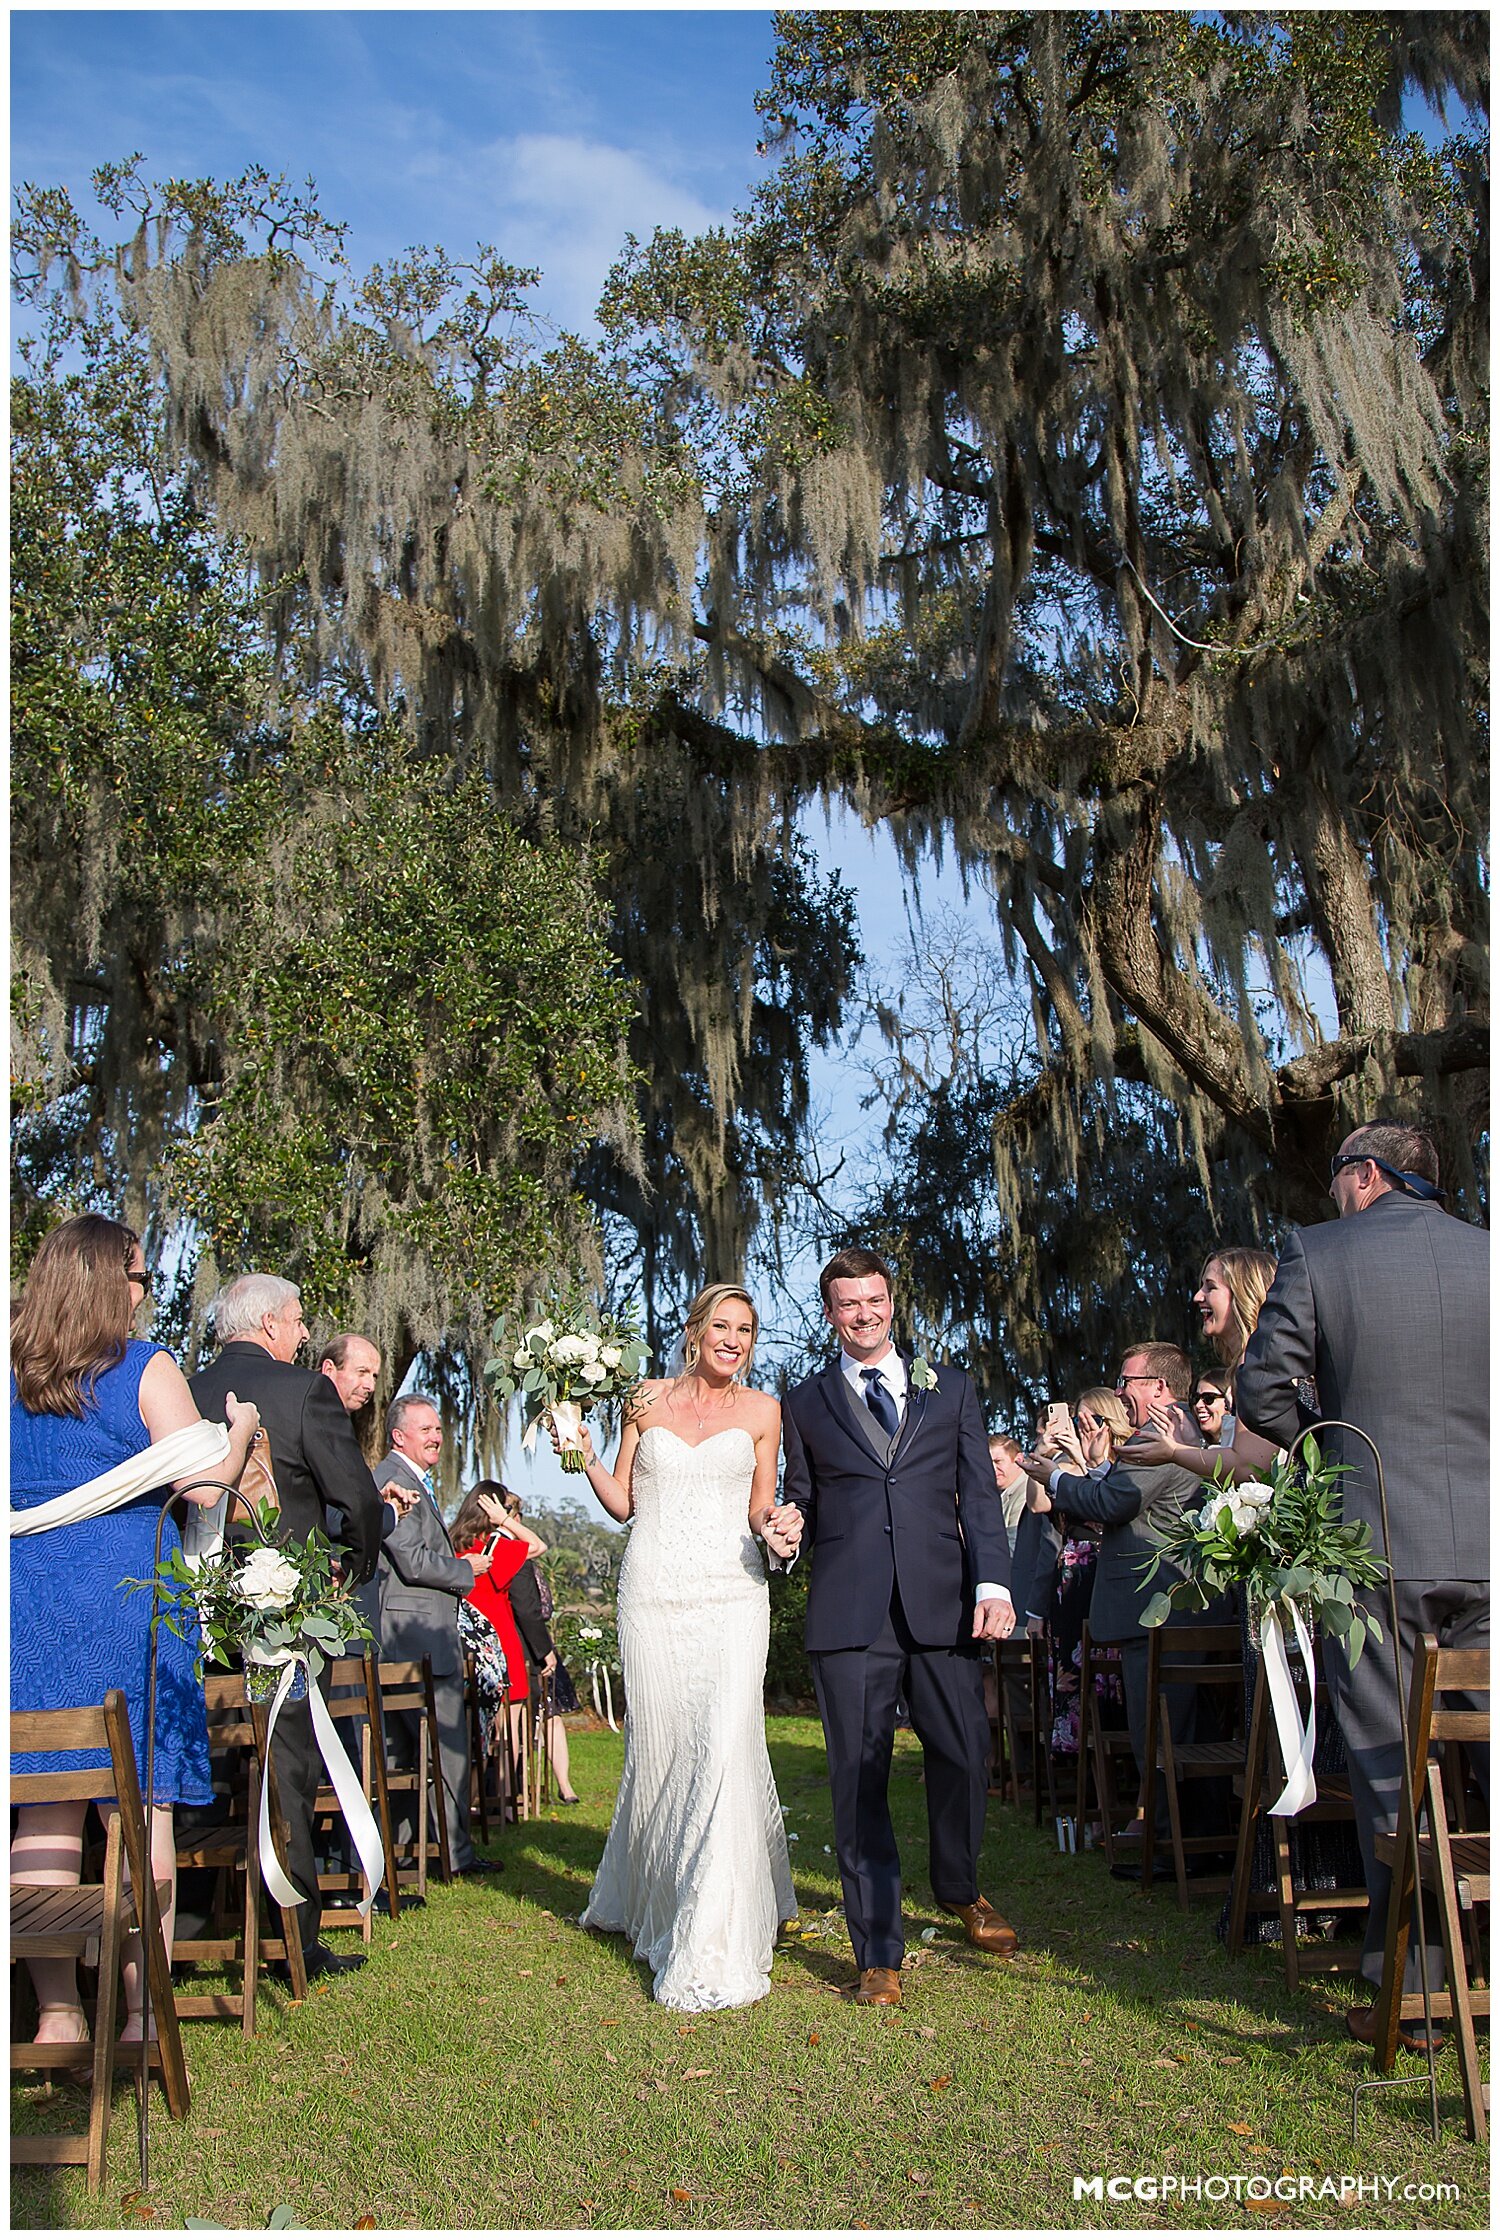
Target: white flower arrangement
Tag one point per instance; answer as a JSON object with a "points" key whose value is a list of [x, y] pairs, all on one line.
{"points": [[565, 1364], [922, 1373]]}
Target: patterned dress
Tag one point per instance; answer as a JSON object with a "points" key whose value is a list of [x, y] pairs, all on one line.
{"points": [[75, 1631]]}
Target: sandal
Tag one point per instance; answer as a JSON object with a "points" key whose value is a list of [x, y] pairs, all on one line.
{"points": [[76, 2036]]}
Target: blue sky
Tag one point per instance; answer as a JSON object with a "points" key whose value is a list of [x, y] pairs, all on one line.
{"points": [[549, 133]]}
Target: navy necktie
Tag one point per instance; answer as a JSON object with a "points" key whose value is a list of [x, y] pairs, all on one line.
{"points": [[881, 1402]]}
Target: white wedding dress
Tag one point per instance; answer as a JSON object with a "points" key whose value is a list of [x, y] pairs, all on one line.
{"points": [[695, 1867]]}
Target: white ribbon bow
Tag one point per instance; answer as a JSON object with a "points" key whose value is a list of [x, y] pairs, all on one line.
{"points": [[353, 1802], [1298, 1741]]}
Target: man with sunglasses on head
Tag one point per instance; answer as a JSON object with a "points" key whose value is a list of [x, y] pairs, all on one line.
{"points": [[1386, 1310]]}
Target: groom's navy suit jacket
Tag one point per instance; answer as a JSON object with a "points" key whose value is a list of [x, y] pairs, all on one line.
{"points": [[922, 1511]]}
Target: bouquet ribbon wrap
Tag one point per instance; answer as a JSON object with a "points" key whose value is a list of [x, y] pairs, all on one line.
{"points": [[353, 1802], [1298, 1740]]}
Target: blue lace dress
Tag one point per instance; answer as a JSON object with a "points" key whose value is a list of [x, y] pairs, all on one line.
{"points": [[74, 1631]]}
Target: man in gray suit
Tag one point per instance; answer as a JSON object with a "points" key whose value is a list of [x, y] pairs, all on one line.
{"points": [[1386, 1310], [422, 1583], [1132, 1502]]}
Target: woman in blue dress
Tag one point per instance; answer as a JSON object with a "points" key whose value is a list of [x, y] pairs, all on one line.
{"points": [[85, 1396]]}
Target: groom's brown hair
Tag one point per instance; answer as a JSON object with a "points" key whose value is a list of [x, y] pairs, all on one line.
{"points": [[852, 1265]]}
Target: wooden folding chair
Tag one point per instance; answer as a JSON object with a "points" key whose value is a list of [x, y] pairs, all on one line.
{"points": [[1454, 1866], [518, 1757], [352, 1688], [480, 1757], [1210, 1659], [90, 1922], [1259, 1786], [232, 1852], [1023, 1762], [405, 1685], [1101, 1751]]}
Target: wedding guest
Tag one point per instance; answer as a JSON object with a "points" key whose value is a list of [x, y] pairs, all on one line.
{"points": [[85, 1395], [319, 1473], [1231, 1289], [1387, 1311], [1058, 1580], [531, 1603], [1209, 1401], [487, 1516], [1005, 1455], [422, 1583], [1129, 1500], [352, 1366]]}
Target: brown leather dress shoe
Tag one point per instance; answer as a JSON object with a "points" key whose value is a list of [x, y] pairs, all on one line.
{"points": [[1360, 2024], [878, 1987], [986, 1928]]}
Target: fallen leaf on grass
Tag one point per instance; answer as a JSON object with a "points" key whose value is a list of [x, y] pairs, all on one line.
{"points": [[680, 2193], [1264, 2208], [940, 2084], [139, 2205], [364, 2224], [919, 2177], [610, 2023], [561, 1981], [523, 1971], [1243, 2130], [813, 2038], [925, 2030], [613, 2059], [1232, 2060], [689, 2074]]}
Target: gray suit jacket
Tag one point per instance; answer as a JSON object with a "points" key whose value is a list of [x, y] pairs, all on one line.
{"points": [[1130, 1501], [422, 1581], [1388, 1312]]}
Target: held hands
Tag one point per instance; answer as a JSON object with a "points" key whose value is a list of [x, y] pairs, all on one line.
{"points": [[994, 1620], [479, 1561], [782, 1530]]}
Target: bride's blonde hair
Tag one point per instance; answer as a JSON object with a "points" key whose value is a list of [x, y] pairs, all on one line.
{"points": [[701, 1314]]}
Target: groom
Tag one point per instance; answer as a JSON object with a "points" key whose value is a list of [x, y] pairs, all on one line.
{"points": [[892, 1474]]}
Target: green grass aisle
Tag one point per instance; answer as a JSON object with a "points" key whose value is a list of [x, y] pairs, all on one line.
{"points": [[493, 2066]]}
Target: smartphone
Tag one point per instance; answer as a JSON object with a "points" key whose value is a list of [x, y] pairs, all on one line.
{"points": [[1056, 1419], [494, 1541]]}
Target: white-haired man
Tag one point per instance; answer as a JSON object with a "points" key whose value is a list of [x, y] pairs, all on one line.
{"points": [[317, 1465]]}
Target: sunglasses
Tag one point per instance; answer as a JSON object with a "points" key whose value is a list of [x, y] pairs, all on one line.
{"points": [[140, 1276], [1210, 1400]]}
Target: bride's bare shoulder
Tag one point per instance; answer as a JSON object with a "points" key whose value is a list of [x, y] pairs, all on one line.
{"points": [[646, 1399], [762, 1411]]}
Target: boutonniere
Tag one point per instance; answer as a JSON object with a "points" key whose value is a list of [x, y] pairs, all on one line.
{"points": [[922, 1373]]}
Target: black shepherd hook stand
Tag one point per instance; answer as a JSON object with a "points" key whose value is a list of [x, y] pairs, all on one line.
{"points": [[1392, 2084], [147, 1897]]}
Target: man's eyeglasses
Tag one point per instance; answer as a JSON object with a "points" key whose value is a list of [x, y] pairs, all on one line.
{"points": [[1138, 1376], [1415, 1185]]}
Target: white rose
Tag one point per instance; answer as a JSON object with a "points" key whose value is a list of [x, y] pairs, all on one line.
{"points": [[592, 1372], [267, 1581], [590, 1633], [521, 1358], [546, 1331], [1258, 1495], [589, 1340], [610, 1356], [566, 1348]]}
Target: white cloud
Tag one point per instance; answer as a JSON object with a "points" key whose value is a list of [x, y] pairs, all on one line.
{"points": [[566, 203]]}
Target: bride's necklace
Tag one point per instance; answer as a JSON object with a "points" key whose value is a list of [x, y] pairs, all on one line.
{"points": [[700, 1415]]}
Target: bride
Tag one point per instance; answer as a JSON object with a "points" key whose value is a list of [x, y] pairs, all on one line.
{"points": [[695, 1868]]}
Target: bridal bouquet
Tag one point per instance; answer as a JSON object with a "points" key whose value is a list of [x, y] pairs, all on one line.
{"points": [[563, 1366], [1281, 1542], [270, 1604]]}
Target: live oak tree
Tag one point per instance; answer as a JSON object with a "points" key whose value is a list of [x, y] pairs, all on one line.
{"points": [[382, 993], [1099, 411], [267, 981], [1075, 458]]}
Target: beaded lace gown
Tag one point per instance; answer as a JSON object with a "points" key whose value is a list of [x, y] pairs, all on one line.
{"points": [[695, 1867]]}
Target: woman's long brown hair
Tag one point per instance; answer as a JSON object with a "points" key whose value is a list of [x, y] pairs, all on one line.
{"points": [[72, 1319], [471, 1523]]}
